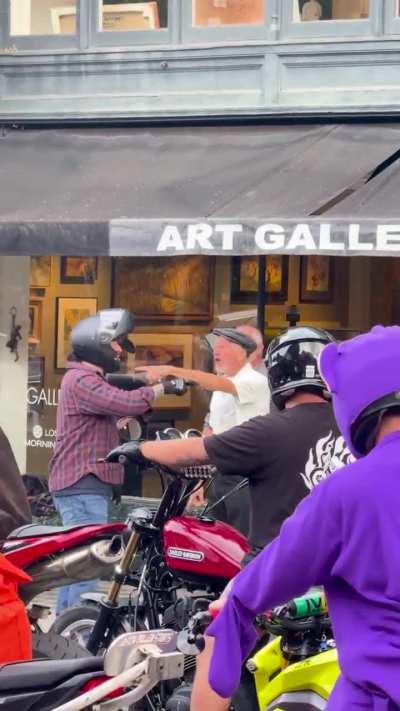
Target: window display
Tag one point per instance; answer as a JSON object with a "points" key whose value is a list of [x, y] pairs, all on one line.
{"points": [[315, 10], [228, 12], [128, 15], [42, 17]]}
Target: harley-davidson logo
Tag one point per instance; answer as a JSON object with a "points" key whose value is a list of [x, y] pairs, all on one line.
{"points": [[182, 554]]}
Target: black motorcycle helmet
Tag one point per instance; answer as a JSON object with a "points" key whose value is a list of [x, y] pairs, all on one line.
{"points": [[292, 362], [91, 338], [364, 429]]}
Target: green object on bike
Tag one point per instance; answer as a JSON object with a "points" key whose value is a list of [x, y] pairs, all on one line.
{"points": [[307, 606]]}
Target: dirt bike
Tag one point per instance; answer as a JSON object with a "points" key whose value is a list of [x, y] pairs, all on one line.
{"points": [[131, 667], [295, 669]]}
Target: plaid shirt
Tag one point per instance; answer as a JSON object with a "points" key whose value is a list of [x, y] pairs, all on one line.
{"points": [[86, 425]]}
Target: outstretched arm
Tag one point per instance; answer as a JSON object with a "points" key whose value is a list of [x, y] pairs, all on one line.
{"points": [[208, 381]]}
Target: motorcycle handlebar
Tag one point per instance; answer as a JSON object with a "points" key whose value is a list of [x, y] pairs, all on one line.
{"points": [[130, 453]]}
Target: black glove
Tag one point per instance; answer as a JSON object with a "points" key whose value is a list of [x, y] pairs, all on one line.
{"points": [[126, 454], [174, 386]]}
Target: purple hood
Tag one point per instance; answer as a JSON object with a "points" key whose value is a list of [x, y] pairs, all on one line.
{"points": [[360, 371]]}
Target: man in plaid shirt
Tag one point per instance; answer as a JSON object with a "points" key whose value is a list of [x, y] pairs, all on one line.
{"points": [[87, 417]]}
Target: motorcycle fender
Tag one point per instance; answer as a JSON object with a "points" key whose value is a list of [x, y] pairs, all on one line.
{"points": [[94, 597], [316, 675]]}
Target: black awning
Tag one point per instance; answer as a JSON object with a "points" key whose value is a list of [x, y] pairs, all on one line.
{"points": [[114, 191]]}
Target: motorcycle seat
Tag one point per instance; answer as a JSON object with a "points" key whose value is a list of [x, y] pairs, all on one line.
{"points": [[44, 673], [37, 529]]}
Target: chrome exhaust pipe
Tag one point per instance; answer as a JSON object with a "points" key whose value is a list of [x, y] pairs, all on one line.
{"points": [[78, 565]]}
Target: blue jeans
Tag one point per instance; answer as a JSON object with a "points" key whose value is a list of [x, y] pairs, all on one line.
{"points": [[81, 510]]}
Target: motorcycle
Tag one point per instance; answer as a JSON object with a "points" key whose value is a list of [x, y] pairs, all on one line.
{"points": [[186, 562], [55, 556], [295, 670], [131, 667]]}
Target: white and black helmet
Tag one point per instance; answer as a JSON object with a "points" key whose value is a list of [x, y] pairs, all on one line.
{"points": [[91, 338], [292, 362]]}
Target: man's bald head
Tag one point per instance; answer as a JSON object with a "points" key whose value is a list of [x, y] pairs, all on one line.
{"points": [[257, 356]]}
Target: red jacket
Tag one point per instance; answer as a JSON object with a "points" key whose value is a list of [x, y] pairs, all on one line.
{"points": [[15, 630]]}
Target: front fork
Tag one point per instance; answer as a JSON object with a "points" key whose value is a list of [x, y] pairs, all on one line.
{"points": [[104, 623]]}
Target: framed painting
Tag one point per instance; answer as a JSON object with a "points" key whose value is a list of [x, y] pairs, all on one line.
{"points": [[69, 312], [244, 286], [78, 270], [40, 271], [165, 289], [164, 349], [316, 279], [35, 321]]}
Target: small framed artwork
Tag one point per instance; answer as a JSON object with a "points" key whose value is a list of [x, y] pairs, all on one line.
{"points": [[244, 285], [35, 321], [40, 271], [78, 270], [316, 279], [69, 312], [164, 349]]}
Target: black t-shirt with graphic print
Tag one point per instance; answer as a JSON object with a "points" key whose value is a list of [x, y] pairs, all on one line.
{"points": [[284, 455]]}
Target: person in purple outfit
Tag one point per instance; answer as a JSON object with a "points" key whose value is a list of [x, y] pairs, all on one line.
{"points": [[345, 536]]}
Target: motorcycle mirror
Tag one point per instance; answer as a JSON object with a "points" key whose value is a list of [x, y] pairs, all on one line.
{"points": [[127, 650], [169, 433], [192, 433], [135, 429]]}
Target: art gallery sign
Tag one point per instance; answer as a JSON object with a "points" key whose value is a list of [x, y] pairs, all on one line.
{"points": [[213, 236], [237, 237]]}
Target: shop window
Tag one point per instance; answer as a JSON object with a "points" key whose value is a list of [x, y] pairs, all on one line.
{"points": [[208, 13], [128, 16], [42, 17], [316, 10]]}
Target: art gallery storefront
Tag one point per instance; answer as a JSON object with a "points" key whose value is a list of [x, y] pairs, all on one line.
{"points": [[171, 223]]}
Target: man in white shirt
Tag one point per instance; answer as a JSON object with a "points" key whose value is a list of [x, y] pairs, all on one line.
{"points": [[239, 393]]}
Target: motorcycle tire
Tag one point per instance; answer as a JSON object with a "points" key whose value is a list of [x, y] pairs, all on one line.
{"points": [[70, 619], [49, 645]]}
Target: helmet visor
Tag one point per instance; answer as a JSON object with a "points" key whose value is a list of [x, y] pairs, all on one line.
{"points": [[126, 344], [294, 362]]}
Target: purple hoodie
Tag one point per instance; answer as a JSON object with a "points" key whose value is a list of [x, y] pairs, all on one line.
{"points": [[346, 536]]}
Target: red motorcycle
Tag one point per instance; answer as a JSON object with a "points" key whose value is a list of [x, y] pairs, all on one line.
{"points": [[55, 556], [185, 563]]}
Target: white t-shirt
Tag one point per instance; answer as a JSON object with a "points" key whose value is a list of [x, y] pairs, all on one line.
{"points": [[252, 399]]}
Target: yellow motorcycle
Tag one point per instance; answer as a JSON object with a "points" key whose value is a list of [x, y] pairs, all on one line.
{"points": [[298, 668]]}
